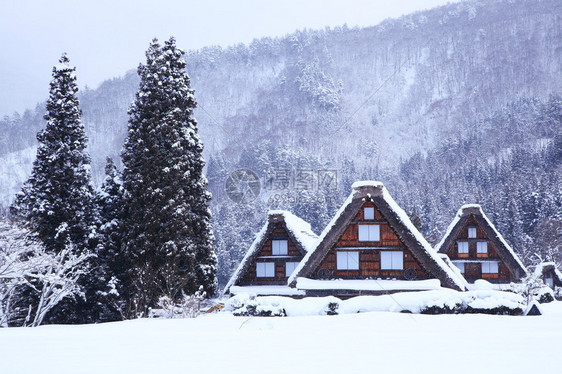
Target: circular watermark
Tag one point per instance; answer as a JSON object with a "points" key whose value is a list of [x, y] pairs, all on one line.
{"points": [[242, 186]]}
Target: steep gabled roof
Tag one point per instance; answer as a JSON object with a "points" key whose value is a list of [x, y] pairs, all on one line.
{"points": [[299, 232], [398, 220], [504, 250]]}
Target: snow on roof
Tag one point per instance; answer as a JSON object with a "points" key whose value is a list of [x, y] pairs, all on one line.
{"points": [[361, 184], [477, 209], [299, 228], [326, 230], [457, 271], [368, 284], [254, 247], [421, 239], [357, 189]]}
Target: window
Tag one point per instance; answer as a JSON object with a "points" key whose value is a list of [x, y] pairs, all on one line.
{"points": [[280, 247], [392, 260], [348, 261], [490, 267], [549, 282], [265, 269], [369, 233], [290, 267], [472, 232], [369, 213], [482, 247], [463, 247], [460, 265]]}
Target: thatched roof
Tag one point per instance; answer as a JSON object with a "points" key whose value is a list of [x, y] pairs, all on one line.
{"points": [[299, 232], [398, 220], [504, 250]]}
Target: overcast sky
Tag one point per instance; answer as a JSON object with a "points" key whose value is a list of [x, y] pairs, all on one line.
{"points": [[106, 38]]}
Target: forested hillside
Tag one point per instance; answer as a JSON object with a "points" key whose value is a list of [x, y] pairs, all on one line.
{"points": [[453, 105]]}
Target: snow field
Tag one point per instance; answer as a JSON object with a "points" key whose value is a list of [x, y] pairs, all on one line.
{"points": [[352, 343]]}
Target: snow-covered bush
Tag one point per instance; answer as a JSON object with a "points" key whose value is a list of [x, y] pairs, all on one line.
{"points": [[248, 305], [443, 301], [532, 288], [188, 307], [545, 295]]}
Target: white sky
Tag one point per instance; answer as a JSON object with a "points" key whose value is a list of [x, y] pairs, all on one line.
{"points": [[106, 38]]}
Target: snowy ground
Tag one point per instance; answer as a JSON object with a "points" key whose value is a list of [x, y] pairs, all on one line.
{"points": [[353, 343]]}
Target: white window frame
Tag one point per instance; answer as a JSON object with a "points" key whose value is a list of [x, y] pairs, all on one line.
{"points": [[265, 269], [459, 265], [472, 232], [392, 260], [280, 247], [348, 260], [488, 267], [460, 248], [369, 213], [369, 233], [290, 268], [482, 247]]}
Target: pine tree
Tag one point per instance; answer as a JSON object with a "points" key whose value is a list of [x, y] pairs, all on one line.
{"points": [[167, 231]]}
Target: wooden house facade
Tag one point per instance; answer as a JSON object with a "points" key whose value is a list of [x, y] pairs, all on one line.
{"points": [[478, 250], [273, 256], [371, 239]]}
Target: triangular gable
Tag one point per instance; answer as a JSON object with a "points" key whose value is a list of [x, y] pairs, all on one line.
{"points": [[504, 250], [399, 222], [298, 230]]}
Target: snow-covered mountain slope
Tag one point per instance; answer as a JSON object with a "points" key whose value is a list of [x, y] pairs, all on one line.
{"points": [[376, 94], [14, 168]]}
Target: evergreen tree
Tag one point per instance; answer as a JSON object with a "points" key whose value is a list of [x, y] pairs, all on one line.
{"points": [[167, 231], [57, 198], [111, 264], [56, 202]]}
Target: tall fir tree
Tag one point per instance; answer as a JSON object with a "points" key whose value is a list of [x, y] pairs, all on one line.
{"points": [[57, 199], [56, 202], [167, 230]]}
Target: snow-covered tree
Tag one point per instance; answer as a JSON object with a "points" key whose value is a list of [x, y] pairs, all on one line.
{"points": [[167, 232], [56, 200], [25, 267]]}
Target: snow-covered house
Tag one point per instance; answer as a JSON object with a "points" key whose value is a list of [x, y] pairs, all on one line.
{"points": [[273, 256], [371, 247], [478, 250], [550, 275]]}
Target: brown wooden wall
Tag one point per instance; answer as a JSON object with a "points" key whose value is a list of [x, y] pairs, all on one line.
{"points": [[369, 254], [503, 276], [265, 254]]}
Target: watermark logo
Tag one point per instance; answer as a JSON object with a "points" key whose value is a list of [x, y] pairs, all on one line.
{"points": [[242, 186], [282, 185], [301, 179]]}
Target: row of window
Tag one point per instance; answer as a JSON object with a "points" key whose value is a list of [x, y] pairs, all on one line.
{"points": [[487, 267], [481, 247], [267, 269], [348, 260], [390, 260]]}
